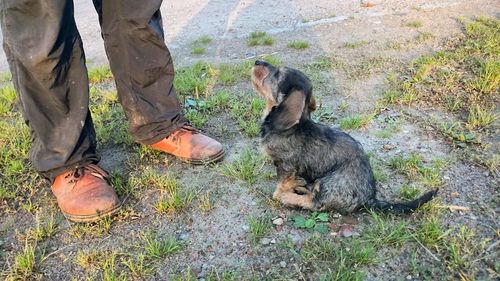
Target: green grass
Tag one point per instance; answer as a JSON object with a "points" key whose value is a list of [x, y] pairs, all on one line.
{"points": [[413, 167], [259, 227], [355, 122], [196, 80], [197, 50], [175, 201], [259, 38], [389, 130], [387, 231], [355, 45], [342, 259], [298, 45], [424, 37], [138, 265], [157, 248], [99, 74], [205, 39], [414, 24], [7, 99], [44, 228], [247, 167], [409, 192], [25, 264]]}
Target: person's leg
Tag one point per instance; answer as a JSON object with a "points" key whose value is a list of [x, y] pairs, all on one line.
{"points": [[45, 55], [142, 67], [46, 59], [144, 74]]}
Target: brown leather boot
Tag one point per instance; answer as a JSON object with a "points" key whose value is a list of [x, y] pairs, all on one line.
{"points": [[84, 194], [191, 146]]}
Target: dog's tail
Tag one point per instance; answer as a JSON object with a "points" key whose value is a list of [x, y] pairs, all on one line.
{"points": [[402, 207]]}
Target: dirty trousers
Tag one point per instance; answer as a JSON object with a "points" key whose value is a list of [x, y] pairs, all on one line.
{"points": [[47, 62]]}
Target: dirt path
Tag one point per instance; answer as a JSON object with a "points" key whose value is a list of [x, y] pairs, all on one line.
{"points": [[222, 222]]}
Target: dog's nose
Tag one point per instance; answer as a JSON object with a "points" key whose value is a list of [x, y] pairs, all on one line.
{"points": [[259, 62]]}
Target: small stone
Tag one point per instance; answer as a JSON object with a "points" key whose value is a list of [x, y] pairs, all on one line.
{"points": [[387, 147], [455, 194], [265, 241], [245, 227], [183, 236], [273, 241], [408, 277], [346, 230], [283, 264], [278, 221]]}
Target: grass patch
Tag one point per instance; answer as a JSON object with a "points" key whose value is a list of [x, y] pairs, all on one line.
{"points": [[356, 122], [99, 74], [259, 227], [412, 166], [386, 230], [7, 99], [196, 80], [157, 248], [247, 167], [342, 259], [355, 45], [298, 45], [25, 264], [197, 50], [414, 24], [259, 38]]}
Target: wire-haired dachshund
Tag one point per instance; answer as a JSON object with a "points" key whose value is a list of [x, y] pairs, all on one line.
{"points": [[318, 167]]}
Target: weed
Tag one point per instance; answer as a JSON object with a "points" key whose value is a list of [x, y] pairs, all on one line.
{"points": [[42, 231], [259, 38], [205, 39], [247, 167], [259, 227], [109, 270], [354, 45], [7, 99], [481, 118], [196, 80], [414, 24], [409, 192], [424, 37], [175, 201], [298, 45], [139, 267], [316, 221], [159, 248], [355, 122], [99, 74], [25, 264], [343, 260], [206, 202], [197, 50], [387, 231]]}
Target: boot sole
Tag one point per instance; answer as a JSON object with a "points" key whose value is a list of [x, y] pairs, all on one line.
{"points": [[93, 218], [215, 158]]}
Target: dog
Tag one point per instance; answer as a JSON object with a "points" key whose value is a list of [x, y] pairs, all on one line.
{"points": [[318, 168]]}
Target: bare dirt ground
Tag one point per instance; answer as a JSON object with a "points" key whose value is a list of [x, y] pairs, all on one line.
{"points": [[222, 223]]}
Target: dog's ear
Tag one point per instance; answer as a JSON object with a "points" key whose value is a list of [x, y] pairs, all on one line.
{"points": [[290, 110], [312, 104]]}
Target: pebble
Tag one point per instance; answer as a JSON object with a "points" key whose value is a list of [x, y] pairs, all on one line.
{"points": [[265, 241], [283, 264], [273, 241], [278, 221], [245, 227], [183, 236], [408, 277]]}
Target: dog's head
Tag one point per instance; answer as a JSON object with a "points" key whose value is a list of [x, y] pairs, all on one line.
{"points": [[287, 91]]}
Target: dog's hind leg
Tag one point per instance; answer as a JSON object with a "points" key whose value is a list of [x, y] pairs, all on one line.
{"points": [[304, 201], [289, 184]]}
